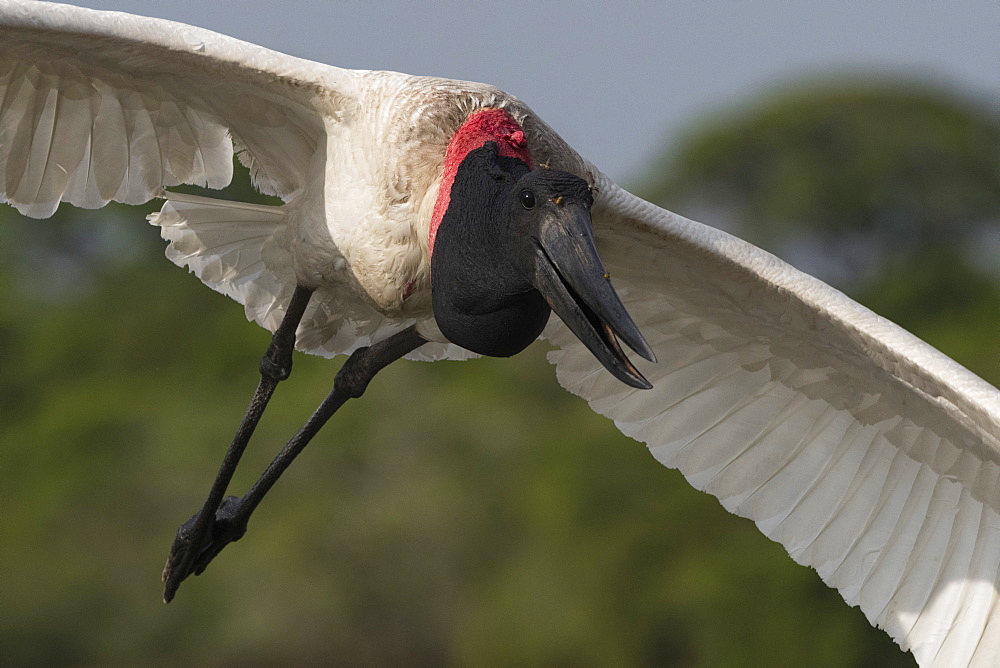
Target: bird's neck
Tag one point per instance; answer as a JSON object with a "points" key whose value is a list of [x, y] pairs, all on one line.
{"points": [[481, 126]]}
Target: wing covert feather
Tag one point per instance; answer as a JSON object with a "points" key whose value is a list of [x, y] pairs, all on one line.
{"points": [[869, 455]]}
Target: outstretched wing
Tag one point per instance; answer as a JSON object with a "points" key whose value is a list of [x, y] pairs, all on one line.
{"points": [[100, 106], [868, 454]]}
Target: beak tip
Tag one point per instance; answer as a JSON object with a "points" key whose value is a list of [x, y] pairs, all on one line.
{"points": [[644, 385], [637, 342], [631, 376], [647, 353]]}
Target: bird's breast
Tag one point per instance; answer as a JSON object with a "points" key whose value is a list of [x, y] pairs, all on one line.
{"points": [[360, 225]]}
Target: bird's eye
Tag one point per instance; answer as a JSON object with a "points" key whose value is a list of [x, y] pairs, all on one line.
{"points": [[527, 199]]}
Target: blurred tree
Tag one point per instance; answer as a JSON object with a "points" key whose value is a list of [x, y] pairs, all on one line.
{"points": [[496, 520], [842, 176]]}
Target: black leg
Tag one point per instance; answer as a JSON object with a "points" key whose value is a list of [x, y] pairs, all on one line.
{"points": [[275, 366], [230, 521]]}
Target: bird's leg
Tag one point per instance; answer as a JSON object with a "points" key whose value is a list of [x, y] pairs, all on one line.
{"points": [[230, 522], [275, 366]]}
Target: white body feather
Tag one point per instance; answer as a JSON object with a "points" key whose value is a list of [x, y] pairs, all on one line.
{"points": [[866, 453]]}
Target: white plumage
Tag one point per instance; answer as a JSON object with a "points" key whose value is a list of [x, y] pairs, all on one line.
{"points": [[868, 454]]}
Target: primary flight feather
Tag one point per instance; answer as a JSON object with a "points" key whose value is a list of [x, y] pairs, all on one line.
{"points": [[868, 454]]}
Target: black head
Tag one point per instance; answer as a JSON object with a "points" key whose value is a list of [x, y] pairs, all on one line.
{"points": [[515, 244]]}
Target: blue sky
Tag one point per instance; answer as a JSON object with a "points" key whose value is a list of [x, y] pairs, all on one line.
{"points": [[619, 80]]}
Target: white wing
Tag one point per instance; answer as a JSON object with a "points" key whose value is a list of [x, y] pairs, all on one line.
{"points": [[869, 455], [99, 106]]}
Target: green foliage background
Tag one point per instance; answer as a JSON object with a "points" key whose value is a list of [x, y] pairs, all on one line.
{"points": [[467, 512]]}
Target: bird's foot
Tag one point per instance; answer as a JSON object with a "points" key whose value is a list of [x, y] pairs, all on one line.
{"points": [[193, 550]]}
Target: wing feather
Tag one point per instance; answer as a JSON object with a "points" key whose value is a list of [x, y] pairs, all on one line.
{"points": [[106, 152], [869, 455]]}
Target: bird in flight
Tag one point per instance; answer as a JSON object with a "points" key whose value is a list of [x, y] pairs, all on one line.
{"points": [[427, 218]]}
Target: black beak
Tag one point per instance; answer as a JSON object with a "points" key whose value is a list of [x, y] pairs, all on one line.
{"points": [[569, 275]]}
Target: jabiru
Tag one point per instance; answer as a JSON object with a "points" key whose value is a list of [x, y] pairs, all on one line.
{"points": [[428, 218]]}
